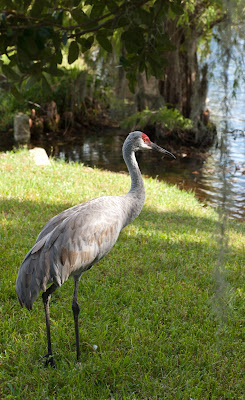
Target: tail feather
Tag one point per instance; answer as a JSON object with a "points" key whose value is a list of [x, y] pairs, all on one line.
{"points": [[36, 272], [41, 266], [31, 279], [26, 289]]}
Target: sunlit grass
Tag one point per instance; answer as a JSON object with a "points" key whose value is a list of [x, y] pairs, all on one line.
{"points": [[165, 327]]}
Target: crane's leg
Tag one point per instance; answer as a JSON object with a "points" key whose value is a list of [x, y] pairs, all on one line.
{"points": [[46, 297], [76, 310]]}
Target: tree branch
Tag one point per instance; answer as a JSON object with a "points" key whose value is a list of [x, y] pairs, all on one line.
{"points": [[40, 22]]}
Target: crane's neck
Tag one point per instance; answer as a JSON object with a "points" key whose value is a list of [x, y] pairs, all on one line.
{"points": [[135, 198]]}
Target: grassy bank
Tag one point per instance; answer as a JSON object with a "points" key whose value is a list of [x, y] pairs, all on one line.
{"points": [[165, 307]]}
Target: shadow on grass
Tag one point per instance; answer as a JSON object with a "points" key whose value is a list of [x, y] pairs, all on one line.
{"points": [[166, 240], [184, 220], [23, 220]]}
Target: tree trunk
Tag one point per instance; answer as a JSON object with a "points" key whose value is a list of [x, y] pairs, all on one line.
{"points": [[184, 86]]}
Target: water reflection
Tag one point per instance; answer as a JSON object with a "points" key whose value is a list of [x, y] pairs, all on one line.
{"points": [[211, 184], [227, 161]]}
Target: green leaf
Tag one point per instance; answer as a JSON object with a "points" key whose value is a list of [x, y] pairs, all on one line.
{"points": [[53, 70], [42, 35], [97, 10], [37, 8], [160, 10], [124, 62], [79, 16], [144, 16], [132, 80], [27, 3], [10, 73], [56, 41], [177, 8], [156, 66], [76, 3], [24, 61], [133, 39], [44, 32], [3, 45], [59, 57], [31, 81], [15, 92], [111, 5], [122, 21], [28, 44], [104, 42], [86, 43], [130, 46], [73, 52], [46, 86]]}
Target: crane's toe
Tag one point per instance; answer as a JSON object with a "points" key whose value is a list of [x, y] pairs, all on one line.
{"points": [[49, 360]]}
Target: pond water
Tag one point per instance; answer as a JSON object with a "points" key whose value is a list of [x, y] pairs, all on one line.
{"points": [[224, 170]]}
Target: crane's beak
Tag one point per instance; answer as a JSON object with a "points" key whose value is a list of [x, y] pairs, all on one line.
{"points": [[161, 150]]}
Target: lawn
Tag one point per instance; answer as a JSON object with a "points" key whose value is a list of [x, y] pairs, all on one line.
{"points": [[165, 308]]}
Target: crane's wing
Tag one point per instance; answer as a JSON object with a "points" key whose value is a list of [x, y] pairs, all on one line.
{"points": [[81, 239], [57, 219]]}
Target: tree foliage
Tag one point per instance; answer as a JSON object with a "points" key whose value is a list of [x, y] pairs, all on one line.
{"points": [[33, 34]]}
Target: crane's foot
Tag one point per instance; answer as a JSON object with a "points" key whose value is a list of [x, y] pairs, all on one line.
{"points": [[49, 360]]}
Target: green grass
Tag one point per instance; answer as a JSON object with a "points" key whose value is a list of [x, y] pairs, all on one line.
{"points": [[166, 314]]}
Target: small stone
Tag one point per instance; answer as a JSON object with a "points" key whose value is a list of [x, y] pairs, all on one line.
{"points": [[39, 156]]}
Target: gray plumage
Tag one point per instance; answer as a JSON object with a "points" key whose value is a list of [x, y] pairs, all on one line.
{"points": [[77, 238]]}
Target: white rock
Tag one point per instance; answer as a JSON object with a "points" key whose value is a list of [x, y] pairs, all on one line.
{"points": [[39, 156]]}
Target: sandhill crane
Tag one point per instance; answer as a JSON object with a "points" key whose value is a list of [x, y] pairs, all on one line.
{"points": [[77, 238]]}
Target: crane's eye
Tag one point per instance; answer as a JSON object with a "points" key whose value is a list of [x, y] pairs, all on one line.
{"points": [[145, 138]]}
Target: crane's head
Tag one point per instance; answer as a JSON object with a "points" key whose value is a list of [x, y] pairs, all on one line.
{"points": [[140, 141]]}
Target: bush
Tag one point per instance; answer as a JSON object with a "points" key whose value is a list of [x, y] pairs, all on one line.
{"points": [[167, 118], [67, 91]]}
